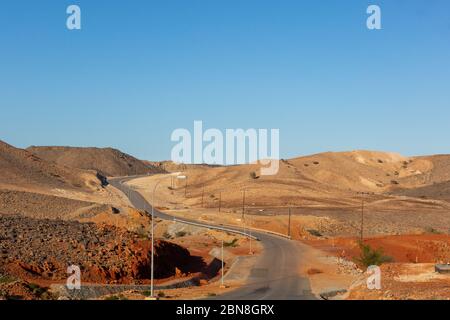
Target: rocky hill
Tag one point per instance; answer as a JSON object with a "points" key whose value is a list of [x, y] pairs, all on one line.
{"points": [[36, 188], [43, 249], [23, 169], [107, 161]]}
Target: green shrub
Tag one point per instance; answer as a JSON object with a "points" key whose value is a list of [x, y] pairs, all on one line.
{"points": [[119, 297], [371, 257], [231, 244], [315, 233], [180, 234], [432, 230], [147, 293], [167, 235], [36, 289], [253, 175], [141, 232], [6, 279]]}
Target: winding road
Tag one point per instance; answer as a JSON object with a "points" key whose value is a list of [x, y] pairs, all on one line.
{"points": [[275, 274]]}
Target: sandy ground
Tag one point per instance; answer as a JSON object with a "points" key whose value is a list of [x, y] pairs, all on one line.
{"points": [[206, 291], [405, 282], [332, 234], [319, 266], [397, 215], [410, 275], [425, 248], [206, 244], [172, 202]]}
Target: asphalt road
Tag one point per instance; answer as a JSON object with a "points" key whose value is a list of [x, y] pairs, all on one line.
{"points": [[275, 274]]}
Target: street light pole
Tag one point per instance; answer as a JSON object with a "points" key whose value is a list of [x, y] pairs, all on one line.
{"points": [[362, 218], [222, 285], [243, 204], [203, 193], [153, 240], [362, 214], [250, 232], [153, 236], [289, 224]]}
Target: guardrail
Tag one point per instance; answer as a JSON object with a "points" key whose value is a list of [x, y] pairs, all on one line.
{"points": [[224, 227], [208, 226], [264, 231]]}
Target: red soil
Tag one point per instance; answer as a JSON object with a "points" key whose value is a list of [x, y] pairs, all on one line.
{"points": [[425, 248]]}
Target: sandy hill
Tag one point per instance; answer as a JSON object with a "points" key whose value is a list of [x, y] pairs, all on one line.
{"points": [[21, 168], [171, 166], [330, 179], [368, 171], [36, 188], [107, 161], [438, 191], [431, 183], [439, 168], [51, 214]]}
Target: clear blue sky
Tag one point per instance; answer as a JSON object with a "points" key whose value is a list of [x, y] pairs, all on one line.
{"points": [[140, 69]]}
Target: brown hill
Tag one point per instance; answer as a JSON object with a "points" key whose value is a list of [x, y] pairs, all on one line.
{"points": [[328, 179], [433, 183], [368, 171], [323, 192], [41, 250], [36, 188], [107, 161], [438, 191], [22, 169], [170, 166]]}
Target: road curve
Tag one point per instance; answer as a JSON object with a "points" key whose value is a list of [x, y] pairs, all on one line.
{"points": [[274, 276]]}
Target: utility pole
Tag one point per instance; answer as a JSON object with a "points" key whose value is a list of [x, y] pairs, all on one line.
{"points": [[362, 215], [153, 242], [289, 224], [203, 193], [153, 246], [362, 219], [243, 204], [250, 232], [222, 285]]}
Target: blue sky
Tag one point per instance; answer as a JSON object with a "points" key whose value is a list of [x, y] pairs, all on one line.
{"points": [[140, 69]]}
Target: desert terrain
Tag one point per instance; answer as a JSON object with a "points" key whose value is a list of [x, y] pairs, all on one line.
{"points": [[57, 209], [107, 161], [398, 204], [325, 194]]}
